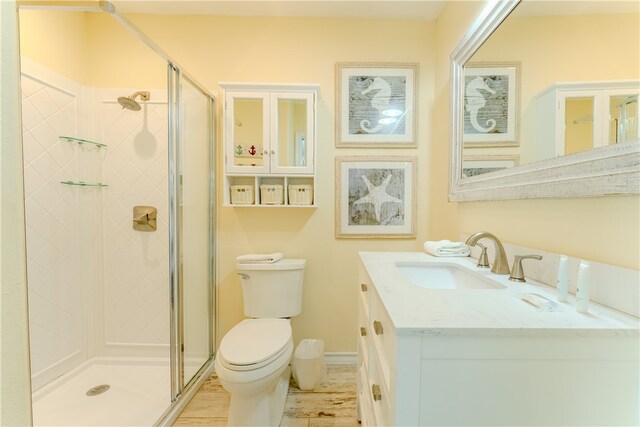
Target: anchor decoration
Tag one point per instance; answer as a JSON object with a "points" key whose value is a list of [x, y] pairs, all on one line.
{"points": [[247, 151]]}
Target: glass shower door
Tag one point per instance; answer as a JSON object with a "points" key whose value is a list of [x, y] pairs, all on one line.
{"points": [[193, 271]]}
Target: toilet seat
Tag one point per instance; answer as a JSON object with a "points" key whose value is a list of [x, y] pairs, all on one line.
{"points": [[254, 343]]}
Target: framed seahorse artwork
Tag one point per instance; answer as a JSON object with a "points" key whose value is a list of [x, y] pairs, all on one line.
{"points": [[376, 104], [375, 197], [491, 104]]}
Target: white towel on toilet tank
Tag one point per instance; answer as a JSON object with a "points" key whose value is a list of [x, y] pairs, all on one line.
{"points": [[446, 248], [260, 258]]}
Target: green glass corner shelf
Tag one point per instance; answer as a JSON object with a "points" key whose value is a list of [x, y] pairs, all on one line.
{"points": [[83, 141], [84, 184]]}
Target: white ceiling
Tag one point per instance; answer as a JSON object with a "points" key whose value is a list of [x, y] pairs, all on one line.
{"points": [[426, 10], [575, 7], [423, 10]]}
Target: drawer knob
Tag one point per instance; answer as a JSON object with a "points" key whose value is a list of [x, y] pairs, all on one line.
{"points": [[363, 286], [363, 331], [377, 327], [376, 393]]}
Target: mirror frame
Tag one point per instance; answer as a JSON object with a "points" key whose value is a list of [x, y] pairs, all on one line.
{"points": [[610, 170]]}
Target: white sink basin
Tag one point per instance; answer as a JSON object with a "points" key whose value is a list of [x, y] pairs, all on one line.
{"points": [[445, 276]]}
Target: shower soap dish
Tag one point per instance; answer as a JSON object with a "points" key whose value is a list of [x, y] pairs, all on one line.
{"points": [[300, 194], [242, 194], [271, 194]]}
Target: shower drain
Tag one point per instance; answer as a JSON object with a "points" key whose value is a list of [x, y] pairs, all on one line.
{"points": [[99, 389]]}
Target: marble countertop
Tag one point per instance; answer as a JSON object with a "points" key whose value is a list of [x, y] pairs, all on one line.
{"points": [[414, 310]]}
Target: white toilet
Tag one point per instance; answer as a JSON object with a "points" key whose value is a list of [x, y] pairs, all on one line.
{"points": [[253, 359]]}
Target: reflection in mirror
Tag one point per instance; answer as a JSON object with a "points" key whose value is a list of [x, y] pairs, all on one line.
{"points": [[292, 132], [624, 124], [563, 50], [576, 90], [248, 134], [578, 124]]}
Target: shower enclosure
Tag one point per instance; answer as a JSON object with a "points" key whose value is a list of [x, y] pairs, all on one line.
{"points": [[119, 200]]}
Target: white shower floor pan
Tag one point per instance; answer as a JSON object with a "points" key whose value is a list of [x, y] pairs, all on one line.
{"points": [[138, 395]]}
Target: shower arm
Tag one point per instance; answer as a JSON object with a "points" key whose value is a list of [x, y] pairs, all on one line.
{"points": [[144, 95]]}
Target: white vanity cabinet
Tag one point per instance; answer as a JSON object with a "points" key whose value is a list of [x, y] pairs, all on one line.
{"points": [[436, 359], [269, 143], [388, 383], [582, 116]]}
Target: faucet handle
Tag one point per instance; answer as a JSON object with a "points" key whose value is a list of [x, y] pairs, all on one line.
{"points": [[483, 259], [517, 274]]}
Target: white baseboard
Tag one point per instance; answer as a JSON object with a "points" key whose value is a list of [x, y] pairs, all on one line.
{"points": [[341, 358]]}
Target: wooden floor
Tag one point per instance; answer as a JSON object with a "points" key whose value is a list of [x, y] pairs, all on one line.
{"points": [[333, 403]]}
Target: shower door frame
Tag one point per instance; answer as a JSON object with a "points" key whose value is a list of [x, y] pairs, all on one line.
{"points": [[174, 75], [174, 78]]}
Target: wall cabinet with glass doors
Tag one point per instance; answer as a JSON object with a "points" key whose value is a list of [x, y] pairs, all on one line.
{"points": [[269, 144], [587, 115]]}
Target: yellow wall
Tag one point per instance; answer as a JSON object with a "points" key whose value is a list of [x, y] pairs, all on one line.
{"points": [[555, 49], [57, 40], [91, 48], [603, 229], [216, 49]]}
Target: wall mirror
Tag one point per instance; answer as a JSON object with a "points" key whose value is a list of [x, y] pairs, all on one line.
{"points": [[250, 128], [545, 101], [292, 131]]}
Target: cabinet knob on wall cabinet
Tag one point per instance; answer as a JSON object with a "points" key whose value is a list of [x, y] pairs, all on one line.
{"points": [[376, 393], [363, 286], [363, 331], [377, 327]]}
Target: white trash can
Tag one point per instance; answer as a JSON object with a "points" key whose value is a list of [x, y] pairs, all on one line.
{"points": [[308, 366]]}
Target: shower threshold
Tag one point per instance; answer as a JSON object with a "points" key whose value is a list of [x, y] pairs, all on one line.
{"points": [[138, 394]]}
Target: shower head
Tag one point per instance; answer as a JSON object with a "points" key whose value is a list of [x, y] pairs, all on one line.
{"points": [[130, 103]]}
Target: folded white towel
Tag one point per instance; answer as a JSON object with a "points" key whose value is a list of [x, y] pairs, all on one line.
{"points": [[260, 258], [446, 248]]}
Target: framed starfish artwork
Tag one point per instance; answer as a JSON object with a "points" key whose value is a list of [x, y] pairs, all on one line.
{"points": [[376, 104], [491, 93], [375, 197]]}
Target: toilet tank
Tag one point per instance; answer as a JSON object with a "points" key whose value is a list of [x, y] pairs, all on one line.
{"points": [[272, 290]]}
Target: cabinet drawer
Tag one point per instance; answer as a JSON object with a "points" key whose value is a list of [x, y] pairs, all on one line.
{"points": [[363, 339], [365, 289], [383, 338], [365, 402], [378, 394]]}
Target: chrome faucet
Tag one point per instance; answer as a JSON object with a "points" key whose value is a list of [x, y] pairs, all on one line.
{"points": [[517, 274], [500, 263]]}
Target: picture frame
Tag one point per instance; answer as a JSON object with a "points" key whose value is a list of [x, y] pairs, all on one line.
{"points": [[376, 104], [478, 165], [375, 197], [491, 104]]}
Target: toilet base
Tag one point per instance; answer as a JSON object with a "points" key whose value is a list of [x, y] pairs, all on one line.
{"points": [[262, 409]]}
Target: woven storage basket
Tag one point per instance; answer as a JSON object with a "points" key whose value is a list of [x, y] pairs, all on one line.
{"points": [[300, 194], [271, 194], [242, 195]]}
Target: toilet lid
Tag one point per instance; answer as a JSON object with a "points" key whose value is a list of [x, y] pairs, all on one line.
{"points": [[254, 341]]}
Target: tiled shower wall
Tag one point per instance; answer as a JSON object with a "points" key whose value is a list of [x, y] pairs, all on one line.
{"points": [[136, 273], [56, 292], [96, 286]]}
